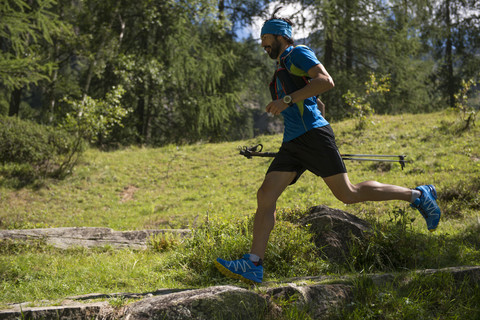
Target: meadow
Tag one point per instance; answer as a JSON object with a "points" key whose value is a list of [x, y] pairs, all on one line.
{"points": [[211, 189]]}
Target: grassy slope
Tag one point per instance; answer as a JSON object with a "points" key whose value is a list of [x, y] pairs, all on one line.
{"points": [[176, 186], [182, 186]]}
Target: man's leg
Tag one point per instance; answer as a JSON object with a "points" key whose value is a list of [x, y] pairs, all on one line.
{"points": [[347, 192], [249, 269], [274, 184], [422, 198]]}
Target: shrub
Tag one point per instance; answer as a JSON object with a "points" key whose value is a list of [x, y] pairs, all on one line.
{"points": [[30, 151], [466, 112], [361, 106], [91, 119]]}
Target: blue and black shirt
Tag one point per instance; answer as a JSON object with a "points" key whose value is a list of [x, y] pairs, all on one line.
{"points": [[303, 115]]}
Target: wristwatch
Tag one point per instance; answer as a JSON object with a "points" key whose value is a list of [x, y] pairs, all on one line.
{"points": [[288, 100]]}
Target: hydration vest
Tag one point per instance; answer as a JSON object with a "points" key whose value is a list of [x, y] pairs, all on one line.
{"points": [[290, 82]]}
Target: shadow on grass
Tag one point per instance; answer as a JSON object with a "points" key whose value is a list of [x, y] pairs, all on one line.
{"points": [[398, 247]]}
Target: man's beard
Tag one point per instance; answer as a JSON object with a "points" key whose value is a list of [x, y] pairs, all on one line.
{"points": [[275, 49]]}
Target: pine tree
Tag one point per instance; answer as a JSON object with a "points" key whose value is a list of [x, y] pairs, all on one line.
{"points": [[24, 26]]}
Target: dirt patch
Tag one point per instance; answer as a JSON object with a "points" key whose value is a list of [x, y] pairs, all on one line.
{"points": [[128, 193]]}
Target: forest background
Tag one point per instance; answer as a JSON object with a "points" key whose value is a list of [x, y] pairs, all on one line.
{"points": [[155, 72]]}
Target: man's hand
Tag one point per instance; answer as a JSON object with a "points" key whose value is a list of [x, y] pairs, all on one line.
{"points": [[276, 107]]}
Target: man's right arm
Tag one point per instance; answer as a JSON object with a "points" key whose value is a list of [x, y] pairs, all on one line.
{"points": [[320, 82]]}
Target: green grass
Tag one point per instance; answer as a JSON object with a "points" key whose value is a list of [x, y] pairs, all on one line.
{"points": [[211, 189], [34, 273], [434, 296]]}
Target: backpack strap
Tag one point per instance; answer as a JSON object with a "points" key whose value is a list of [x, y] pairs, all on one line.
{"points": [[290, 82]]}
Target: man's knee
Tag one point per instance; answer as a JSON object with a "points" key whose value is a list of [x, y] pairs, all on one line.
{"points": [[347, 195], [342, 188], [264, 194], [273, 186]]}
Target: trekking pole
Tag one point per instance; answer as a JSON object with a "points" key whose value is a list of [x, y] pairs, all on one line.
{"points": [[256, 151]]}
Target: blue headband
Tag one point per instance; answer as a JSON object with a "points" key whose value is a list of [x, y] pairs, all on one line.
{"points": [[277, 27]]}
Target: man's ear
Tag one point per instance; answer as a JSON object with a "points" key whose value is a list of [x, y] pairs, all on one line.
{"points": [[280, 38]]}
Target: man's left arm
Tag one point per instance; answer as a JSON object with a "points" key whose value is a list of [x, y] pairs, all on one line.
{"points": [[320, 82]]}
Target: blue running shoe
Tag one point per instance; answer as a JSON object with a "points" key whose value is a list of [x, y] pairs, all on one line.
{"points": [[427, 205], [242, 269]]}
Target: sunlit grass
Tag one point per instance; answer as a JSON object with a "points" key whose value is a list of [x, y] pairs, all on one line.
{"points": [[38, 272], [175, 186]]}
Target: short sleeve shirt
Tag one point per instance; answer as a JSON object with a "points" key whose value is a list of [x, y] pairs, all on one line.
{"points": [[304, 115]]}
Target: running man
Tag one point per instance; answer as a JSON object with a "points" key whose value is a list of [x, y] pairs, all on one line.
{"points": [[308, 144]]}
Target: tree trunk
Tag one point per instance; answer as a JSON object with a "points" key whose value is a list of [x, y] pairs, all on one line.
{"points": [[144, 116], [449, 57], [221, 9], [348, 41], [93, 64], [147, 118], [140, 113], [328, 51], [15, 100], [105, 35], [50, 108], [328, 54]]}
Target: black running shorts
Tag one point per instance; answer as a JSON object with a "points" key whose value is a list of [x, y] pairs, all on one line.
{"points": [[315, 151]]}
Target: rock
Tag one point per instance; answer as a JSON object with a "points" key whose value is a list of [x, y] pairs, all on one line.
{"points": [[459, 274], [70, 312], [124, 295], [225, 302], [334, 230], [220, 302], [317, 299], [382, 280], [64, 238]]}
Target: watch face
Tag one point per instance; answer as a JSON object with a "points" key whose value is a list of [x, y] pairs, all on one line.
{"points": [[287, 99]]}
